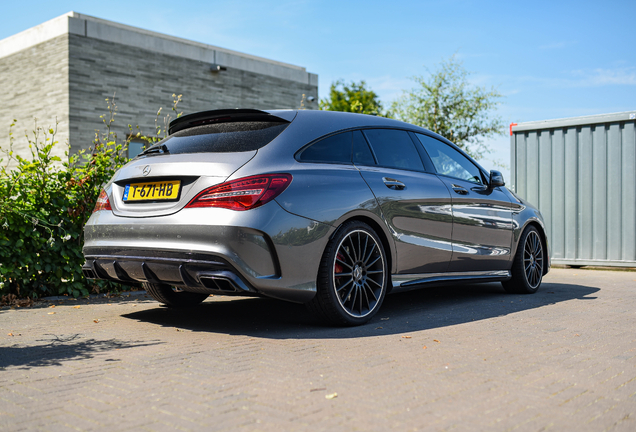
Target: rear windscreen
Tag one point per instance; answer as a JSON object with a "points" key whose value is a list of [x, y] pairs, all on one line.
{"points": [[224, 137]]}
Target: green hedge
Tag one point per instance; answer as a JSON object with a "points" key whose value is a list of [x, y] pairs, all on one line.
{"points": [[44, 205]]}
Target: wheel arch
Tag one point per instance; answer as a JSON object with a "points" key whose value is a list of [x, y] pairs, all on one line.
{"points": [[384, 238]]}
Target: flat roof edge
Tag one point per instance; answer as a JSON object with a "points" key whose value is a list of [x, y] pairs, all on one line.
{"points": [[50, 29], [575, 121], [109, 31], [177, 39]]}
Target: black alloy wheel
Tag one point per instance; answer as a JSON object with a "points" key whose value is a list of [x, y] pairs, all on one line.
{"points": [[353, 276], [172, 297], [529, 263]]}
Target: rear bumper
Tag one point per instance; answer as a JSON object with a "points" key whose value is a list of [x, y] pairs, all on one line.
{"points": [[264, 251], [191, 272]]}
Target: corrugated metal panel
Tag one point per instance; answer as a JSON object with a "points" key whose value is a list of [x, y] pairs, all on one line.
{"points": [[629, 192], [558, 193], [571, 188], [581, 173]]}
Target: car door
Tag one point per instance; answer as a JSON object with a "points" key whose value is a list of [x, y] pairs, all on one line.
{"points": [[482, 216], [415, 204]]}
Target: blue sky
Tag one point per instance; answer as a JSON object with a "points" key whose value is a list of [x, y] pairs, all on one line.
{"points": [[549, 59]]}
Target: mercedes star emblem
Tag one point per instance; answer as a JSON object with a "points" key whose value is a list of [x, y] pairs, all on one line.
{"points": [[146, 170]]}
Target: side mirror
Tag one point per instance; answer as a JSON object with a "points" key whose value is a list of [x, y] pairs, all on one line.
{"points": [[496, 179]]}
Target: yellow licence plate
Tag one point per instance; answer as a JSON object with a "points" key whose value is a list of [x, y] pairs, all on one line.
{"points": [[152, 191]]}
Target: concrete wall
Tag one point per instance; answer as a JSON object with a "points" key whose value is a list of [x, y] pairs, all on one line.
{"points": [[144, 80], [34, 84]]}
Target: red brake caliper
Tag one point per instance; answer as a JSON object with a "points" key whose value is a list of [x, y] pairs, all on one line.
{"points": [[338, 266]]}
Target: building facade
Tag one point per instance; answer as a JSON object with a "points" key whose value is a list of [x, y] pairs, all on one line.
{"points": [[61, 72]]}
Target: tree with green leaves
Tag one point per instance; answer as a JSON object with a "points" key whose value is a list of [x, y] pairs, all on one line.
{"points": [[446, 103], [352, 97]]}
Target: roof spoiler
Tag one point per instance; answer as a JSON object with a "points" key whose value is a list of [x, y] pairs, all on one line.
{"points": [[221, 116]]}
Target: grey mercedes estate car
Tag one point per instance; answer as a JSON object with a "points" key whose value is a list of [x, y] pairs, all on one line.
{"points": [[330, 209]]}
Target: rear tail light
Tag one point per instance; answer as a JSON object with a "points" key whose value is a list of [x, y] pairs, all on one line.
{"points": [[243, 194], [102, 202]]}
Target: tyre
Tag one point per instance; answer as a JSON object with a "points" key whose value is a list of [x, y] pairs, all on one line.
{"points": [[529, 263], [177, 299], [353, 276]]}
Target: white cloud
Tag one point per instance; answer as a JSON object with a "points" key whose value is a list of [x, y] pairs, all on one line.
{"points": [[603, 77], [569, 79]]}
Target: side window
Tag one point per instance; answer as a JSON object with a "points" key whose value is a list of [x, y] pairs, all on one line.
{"points": [[361, 152], [333, 149], [450, 162], [394, 149]]}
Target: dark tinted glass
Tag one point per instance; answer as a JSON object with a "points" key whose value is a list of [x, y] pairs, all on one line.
{"points": [[394, 149], [361, 152], [333, 149], [449, 161], [224, 137]]}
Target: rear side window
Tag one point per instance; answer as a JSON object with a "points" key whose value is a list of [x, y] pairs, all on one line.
{"points": [[224, 137], [394, 149], [361, 152], [333, 149]]}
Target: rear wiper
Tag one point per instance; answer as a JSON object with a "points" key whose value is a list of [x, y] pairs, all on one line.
{"points": [[160, 148]]}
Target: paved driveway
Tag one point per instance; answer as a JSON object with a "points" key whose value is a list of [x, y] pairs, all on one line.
{"points": [[463, 358]]}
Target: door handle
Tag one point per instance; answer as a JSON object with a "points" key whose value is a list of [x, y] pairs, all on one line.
{"points": [[393, 183], [482, 190], [459, 189]]}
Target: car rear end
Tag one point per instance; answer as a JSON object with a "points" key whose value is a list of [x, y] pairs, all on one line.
{"points": [[176, 215]]}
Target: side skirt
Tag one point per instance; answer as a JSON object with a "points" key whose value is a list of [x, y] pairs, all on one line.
{"points": [[409, 282]]}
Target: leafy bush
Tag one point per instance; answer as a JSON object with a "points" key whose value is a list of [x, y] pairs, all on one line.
{"points": [[43, 208], [44, 205]]}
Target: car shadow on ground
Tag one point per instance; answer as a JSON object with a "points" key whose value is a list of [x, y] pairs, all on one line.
{"points": [[422, 309]]}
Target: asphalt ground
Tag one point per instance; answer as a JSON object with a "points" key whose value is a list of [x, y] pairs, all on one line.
{"points": [[453, 358]]}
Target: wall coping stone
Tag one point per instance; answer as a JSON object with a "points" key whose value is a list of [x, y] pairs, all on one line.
{"points": [[109, 31]]}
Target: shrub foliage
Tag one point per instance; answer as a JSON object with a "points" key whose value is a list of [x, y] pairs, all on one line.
{"points": [[44, 205]]}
